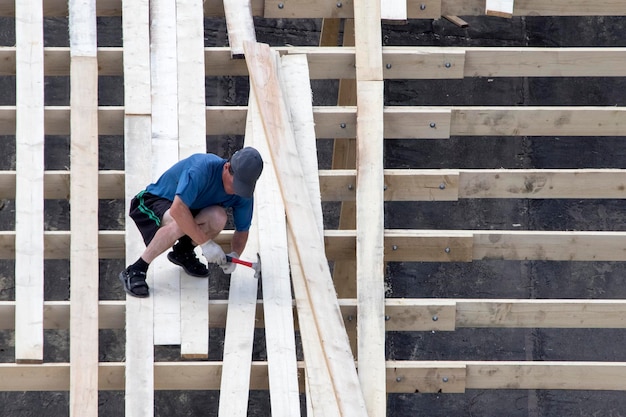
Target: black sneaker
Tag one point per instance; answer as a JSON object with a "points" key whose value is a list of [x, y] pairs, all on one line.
{"points": [[134, 282], [190, 263]]}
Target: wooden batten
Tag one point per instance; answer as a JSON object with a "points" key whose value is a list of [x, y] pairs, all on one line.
{"points": [[500, 8], [239, 24], [29, 186]]}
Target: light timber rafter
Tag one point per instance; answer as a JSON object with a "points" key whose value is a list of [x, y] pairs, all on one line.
{"points": [[84, 218], [402, 376]]}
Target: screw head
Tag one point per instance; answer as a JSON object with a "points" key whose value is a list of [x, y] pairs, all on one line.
{"points": [[448, 65], [398, 379], [447, 250], [394, 247], [388, 66], [281, 5], [342, 125], [433, 125], [435, 318], [387, 318], [350, 187], [422, 6], [442, 186], [444, 379], [349, 318], [339, 5]]}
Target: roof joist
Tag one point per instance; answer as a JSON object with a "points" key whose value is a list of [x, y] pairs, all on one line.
{"points": [[402, 376], [404, 314], [330, 8], [398, 62], [407, 245], [402, 122]]}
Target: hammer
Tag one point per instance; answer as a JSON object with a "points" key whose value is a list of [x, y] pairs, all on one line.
{"points": [[254, 265]]}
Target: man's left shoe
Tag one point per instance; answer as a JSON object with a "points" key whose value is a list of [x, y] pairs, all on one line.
{"points": [[189, 262]]}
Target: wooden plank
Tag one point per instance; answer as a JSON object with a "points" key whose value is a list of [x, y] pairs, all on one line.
{"points": [[328, 8], [239, 25], [423, 63], [428, 377], [136, 57], [456, 20], [393, 10], [84, 220], [370, 246], [414, 314], [500, 8], [194, 312], [340, 122], [540, 313], [29, 196], [565, 375], [406, 245], [164, 68], [368, 41], [239, 334], [279, 332], [302, 223], [139, 370]]}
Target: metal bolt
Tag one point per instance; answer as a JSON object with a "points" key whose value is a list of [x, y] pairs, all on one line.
{"points": [[442, 186], [385, 187], [448, 65], [342, 125], [422, 6], [445, 379], [387, 318], [435, 318], [447, 250], [398, 379], [394, 247], [349, 318], [281, 5], [388, 66], [339, 5], [350, 187], [433, 125]]}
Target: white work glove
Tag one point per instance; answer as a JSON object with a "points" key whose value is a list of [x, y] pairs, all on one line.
{"points": [[229, 267], [213, 253]]}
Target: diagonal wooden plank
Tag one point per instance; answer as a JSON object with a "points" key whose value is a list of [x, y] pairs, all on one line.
{"points": [[500, 8], [84, 219], [302, 226], [239, 24], [393, 10], [29, 184], [194, 292]]}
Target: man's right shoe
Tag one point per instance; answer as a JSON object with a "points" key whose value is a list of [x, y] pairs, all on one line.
{"points": [[189, 262]]}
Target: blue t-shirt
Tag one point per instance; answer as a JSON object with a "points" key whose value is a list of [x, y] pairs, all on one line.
{"points": [[197, 180]]}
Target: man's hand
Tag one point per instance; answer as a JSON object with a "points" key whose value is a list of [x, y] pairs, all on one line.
{"points": [[213, 253], [229, 267]]}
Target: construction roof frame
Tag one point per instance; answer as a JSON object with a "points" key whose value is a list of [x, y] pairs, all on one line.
{"points": [[338, 323]]}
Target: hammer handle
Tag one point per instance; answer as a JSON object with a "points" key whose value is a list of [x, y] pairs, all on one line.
{"points": [[238, 261]]}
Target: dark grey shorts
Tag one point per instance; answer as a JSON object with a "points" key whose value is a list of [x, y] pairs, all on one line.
{"points": [[147, 212]]}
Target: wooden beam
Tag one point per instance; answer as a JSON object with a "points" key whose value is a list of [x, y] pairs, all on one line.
{"points": [[29, 185], [370, 246], [402, 376], [192, 139], [328, 8], [165, 153], [500, 8], [302, 226], [406, 314], [368, 41], [139, 312], [239, 25], [84, 219], [393, 10]]}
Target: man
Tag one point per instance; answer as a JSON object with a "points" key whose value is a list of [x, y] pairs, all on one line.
{"points": [[188, 204]]}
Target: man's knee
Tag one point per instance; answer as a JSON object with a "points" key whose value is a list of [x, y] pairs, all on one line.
{"points": [[214, 217]]}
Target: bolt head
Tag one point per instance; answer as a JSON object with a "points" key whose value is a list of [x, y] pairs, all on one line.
{"points": [[339, 5], [388, 66], [448, 65], [342, 125], [387, 318], [433, 125], [442, 186], [281, 5], [394, 247], [398, 379], [422, 6], [444, 379], [447, 250], [435, 318]]}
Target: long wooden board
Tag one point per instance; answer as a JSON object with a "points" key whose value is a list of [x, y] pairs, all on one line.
{"points": [[29, 194], [84, 263], [302, 226]]}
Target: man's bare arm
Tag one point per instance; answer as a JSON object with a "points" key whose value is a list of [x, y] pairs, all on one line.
{"points": [[183, 217], [239, 241]]}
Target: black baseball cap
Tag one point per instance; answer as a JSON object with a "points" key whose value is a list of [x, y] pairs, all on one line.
{"points": [[246, 165]]}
